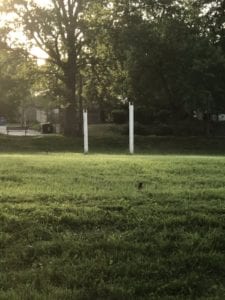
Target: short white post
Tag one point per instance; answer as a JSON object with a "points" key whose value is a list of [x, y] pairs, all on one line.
{"points": [[131, 128], [85, 118]]}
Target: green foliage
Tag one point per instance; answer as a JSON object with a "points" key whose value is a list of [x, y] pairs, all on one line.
{"points": [[120, 116], [172, 60], [16, 79], [60, 29], [161, 55]]}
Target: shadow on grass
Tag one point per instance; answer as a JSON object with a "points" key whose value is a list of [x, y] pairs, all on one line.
{"points": [[114, 144]]}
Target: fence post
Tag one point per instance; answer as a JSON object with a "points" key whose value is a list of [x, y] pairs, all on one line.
{"points": [[131, 128], [85, 119]]}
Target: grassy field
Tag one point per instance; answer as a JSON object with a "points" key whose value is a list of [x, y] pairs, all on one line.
{"points": [[78, 227]]}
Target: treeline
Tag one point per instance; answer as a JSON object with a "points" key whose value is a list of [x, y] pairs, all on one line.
{"points": [[166, 56]]}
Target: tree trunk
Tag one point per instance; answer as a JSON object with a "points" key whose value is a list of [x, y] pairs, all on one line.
{"points": [[70, 117]]}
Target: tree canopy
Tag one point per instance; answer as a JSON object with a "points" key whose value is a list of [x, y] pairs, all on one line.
{"points": [[162, 55]]}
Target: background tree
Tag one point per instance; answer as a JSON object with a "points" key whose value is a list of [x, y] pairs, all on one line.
{"points": [[103, 76], [59, 30], [16, 78], [170, 55], [166, 56]]}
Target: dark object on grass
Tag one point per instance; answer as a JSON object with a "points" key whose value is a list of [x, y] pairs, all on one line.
{"points": [[140, 185], [47, 128]]}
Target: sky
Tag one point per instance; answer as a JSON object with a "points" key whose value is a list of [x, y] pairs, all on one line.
{"points": [[20, 38], [41, 55], [43, 2]]}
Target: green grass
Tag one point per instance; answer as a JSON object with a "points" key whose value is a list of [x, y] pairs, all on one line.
{"points": [[78, 227], [106, 139]]}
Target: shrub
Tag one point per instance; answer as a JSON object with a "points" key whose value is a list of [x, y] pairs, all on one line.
{"points": [[144, 116], [139, 129], [156, 129], [119, 116], [189, 128], [162, 130], [163, 116]]}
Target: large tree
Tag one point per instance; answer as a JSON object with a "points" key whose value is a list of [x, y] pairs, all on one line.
{"points": [[173, 56], [161, 54], [59, 28]]}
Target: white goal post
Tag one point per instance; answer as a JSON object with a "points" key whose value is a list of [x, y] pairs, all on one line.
{"points": [[131, 129], [85, 125]]}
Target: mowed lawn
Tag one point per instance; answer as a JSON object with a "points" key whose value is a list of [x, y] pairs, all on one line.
{"points": [[79, 227]]}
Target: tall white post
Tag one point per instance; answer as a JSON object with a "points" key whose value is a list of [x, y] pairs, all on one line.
{"points": [[131, 128], [85, 118]]}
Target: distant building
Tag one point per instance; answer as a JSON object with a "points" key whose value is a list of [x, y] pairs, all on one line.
{"points": [[203, 116], [221, 117], [41, 116]]}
